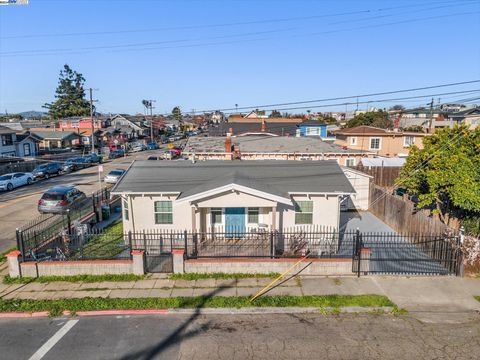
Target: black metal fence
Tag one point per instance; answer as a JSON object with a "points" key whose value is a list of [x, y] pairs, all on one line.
{"points": [[371, 253], [42, 233]]}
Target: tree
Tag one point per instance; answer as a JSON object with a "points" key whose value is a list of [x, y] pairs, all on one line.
{"points": [[398, 107], [177, 113], [446, 173], [275, 114], [70, 96], [372, 118]]}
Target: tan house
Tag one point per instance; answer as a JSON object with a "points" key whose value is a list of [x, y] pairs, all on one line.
{"points": [[235, 196], [379, 141]]}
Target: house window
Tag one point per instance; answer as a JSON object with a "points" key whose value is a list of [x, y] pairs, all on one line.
{"points": [[253, 217], [216, 215], [375, 143], [26, 149], [408, 141], [7, 139], [163, 212], [350, 162], [353, 140], [126, 214], [312, 131], [303, 212]]}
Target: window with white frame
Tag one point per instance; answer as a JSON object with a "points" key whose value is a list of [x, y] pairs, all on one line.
{"points": [[375, 143], [126, 214], [26, 149], [350, 162], [163, 212], [408, 141], [216, 216], [253, 215], [303, 212], [353, 140], [313, 130]]}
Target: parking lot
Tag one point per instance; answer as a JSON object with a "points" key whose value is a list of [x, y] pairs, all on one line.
{"points": [[20, 205]]}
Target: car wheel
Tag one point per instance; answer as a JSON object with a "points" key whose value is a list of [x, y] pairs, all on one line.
{"points": [[9, 187], [47, 176], [29, 181]]}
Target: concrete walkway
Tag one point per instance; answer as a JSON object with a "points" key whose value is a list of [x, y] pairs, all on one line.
{"points": [[431, 299]]}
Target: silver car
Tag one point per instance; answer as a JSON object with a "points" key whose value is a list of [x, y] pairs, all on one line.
{"points": [[113, 176], [59, 199], [13, 180]]}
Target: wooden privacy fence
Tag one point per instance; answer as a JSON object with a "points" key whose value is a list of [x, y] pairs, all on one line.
{"points": [[401, 215], [382, 176]]}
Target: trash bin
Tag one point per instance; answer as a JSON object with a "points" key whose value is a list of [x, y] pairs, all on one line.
{"points": [[105, 212]]}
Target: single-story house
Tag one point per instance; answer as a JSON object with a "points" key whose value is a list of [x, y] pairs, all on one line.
{"points": [[57, 139], [236, 196], [271, 148], [17, 145], [312, 128]]}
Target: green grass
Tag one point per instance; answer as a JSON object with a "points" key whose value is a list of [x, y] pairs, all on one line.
{"points": [[76, 278], [477, 298], [3, 255], [106, 245], [219, 275], [56, 307]]}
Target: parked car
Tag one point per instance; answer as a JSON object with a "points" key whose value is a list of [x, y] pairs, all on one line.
{"points": [[136, 148], [169, 155], [153, 157], [59, 199], [177, 150], [11, 181], [47, 170], [94, 158], [153, 146], [116, 154], [76, 163], [113, 176]]}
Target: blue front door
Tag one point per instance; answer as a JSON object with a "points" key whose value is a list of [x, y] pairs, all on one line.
{"points": [[234, 222]]}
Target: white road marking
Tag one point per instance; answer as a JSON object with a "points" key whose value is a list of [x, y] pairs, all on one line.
{"points": [[45, 348]]}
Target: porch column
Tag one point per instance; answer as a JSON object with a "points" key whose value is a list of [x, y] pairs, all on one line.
{"points": [[274, 217], [194, 219]]}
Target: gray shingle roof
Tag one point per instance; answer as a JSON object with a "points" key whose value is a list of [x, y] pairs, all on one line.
{"points": [[55, 134], [274, 177]]}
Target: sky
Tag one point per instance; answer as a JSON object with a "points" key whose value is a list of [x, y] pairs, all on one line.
{"points": [[207, 55]]}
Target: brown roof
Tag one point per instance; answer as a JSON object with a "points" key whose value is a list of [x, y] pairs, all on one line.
{"points": [[362, 130]]}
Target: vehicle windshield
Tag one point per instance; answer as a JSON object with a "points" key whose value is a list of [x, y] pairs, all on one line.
{"points": [[115, 173], [5, 177], [53, 196], [42, 167]]}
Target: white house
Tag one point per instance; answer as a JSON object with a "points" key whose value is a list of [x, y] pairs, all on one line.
{"points": [[17, 145], [237, 196]]}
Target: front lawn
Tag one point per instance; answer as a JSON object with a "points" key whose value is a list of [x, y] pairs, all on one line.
{"points": [[106, 245]]}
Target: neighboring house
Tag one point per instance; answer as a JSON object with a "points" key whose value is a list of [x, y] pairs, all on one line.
{"points": [[361, 183], [13, 144], [81, 123], [379, 141], [135, 123], [57, 139], [235, 196], [383, 162], [263, 127], [469, 117], [426, 118], [312, 128], [270, 148]]}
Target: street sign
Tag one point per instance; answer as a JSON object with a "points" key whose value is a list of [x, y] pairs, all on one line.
{"points": [[100, 168], [170, 146]]}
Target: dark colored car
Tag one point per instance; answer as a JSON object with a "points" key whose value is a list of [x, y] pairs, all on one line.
{"points": [[153, 157], [153, 146], [75, 164], [94, 158], [59, 199], [116, 154], [47, 170]]}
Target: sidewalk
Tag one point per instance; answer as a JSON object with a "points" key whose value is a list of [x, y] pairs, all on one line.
{"points": [[427, 298]]}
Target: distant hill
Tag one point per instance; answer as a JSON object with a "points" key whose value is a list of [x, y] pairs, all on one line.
{"points": [[33, 114]]}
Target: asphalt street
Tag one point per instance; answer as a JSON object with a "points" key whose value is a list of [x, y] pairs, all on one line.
{"points": [[274, 336], [20, 205]]}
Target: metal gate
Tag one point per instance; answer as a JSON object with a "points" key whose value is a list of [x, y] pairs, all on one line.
{"points": [[396, 254], [162, 263]]}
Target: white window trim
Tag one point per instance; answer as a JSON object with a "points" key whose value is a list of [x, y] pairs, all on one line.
{"points": [[354, 161], [162, 212], [379, 143], [222, 217], [405, 140], [246, 213], [353, 142]]}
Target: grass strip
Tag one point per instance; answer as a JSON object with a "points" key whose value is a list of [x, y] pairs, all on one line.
{"points": [[477, 298], [75, 278], [3, 255], [219, 275], [56, 307]]}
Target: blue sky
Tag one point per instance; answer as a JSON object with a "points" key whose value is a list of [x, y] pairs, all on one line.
{"points": [[215, 54]]}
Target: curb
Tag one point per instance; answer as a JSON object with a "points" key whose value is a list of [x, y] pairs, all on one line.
{"points": [[208, 311]]}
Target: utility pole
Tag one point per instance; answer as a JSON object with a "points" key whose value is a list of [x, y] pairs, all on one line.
{"points": [[91, 119], [431, 115], [150, 106]]}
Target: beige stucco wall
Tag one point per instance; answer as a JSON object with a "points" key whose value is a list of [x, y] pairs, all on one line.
{"points": [[325, 211], [361, 184], [390, 145]]}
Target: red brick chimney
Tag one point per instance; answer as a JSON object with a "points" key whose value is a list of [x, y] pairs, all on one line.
{"points": [[228, 143], [264, 126]]}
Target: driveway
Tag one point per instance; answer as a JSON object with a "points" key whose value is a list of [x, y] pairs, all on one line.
{"points": [[362, 220]]}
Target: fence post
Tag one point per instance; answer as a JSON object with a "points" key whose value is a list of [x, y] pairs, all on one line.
{"points": [[20, 244], [272, 254], [459, 252], [69, 221], [358, 251], [130, 240], [145, 242], [195, 244], [185, 235]]}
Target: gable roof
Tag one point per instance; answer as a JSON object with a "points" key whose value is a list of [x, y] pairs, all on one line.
{"points": [[60, 135], [6, 130], [279, 178]]}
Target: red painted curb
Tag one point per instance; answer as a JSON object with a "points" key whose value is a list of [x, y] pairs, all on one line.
{"points": [[23, 314], [122, 312]]}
